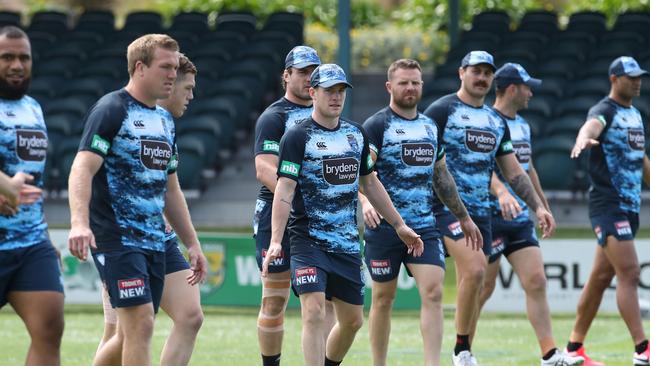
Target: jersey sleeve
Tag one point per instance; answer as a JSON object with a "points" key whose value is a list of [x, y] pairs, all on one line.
{"points": [[505, 145], [374, 129], [604, 113], [172, 167], [268, 132], [292, 152], [101, 125], [367, 164]]}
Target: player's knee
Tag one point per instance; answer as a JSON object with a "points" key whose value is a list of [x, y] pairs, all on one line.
{"points": [[432, 295], [475, 274], [536, 282], [273, 305], [603, 279], [383, 300], [629, 274], [352, 324], [138, 331], [193, 320], [313, 312], [49, 331]]}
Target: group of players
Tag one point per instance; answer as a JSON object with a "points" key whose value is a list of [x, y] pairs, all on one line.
{"points": [[426, 182]]}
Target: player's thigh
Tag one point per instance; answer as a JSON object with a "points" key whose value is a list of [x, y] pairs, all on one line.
{"points": [[42, 311], [492, 272], [527, 263], [179, 298], [428, 277], [347, 314], [467, 260], [621, 254]]}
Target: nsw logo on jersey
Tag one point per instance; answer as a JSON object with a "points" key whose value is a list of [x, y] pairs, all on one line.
{"points": [[479, 140], [155, 155], [522, 150], [31, 145], [306, 276], [418, 154], [380, 267], [340, 171], [131, 288], [636, 138]]}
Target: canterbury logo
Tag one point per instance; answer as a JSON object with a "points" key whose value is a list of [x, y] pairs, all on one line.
{"points": [[138, 123], [321, 145], [400, 132]]}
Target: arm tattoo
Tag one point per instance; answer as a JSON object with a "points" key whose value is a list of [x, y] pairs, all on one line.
{"points": [[285, 201], [445, 187], [523, 187]]}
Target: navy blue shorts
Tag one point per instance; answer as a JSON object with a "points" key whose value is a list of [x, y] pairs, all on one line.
{"points": [[449, 226], [132, 276], [262, 235], [174, 260], [508, 237], [385, 252], [338, 275], [32, 268], [621, 225]]}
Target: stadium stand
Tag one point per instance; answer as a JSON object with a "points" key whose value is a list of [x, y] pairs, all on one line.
{"points": [[79, 60], [572, 63]]}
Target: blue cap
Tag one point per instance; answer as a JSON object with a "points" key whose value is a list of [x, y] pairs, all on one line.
{"points": [[477, 58], [327, 75], [300, 57], [511, 73], [626, 65]]}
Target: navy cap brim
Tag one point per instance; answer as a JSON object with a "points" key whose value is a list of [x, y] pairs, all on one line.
{"points": [[533, 83], [302, 65], [331, 83]]}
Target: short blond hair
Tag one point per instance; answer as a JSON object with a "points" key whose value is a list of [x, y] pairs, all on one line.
{"points": [[143, 48], [403, 63]]}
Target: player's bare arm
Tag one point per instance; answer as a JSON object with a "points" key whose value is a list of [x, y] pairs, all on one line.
{"points": [[534, 178], [371, 217], [646, 169], [84, 167], [266, 167], [508, 204], [284, 192], [178, 215], [445, 187], [378, 197], [523, 187], [587, 136]]}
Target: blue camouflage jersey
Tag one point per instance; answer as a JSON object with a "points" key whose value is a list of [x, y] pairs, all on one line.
{"points": [[520, 136], [472, 138], [23, 148], [326, 165], [271, 125], [138, 145], [407, 150], [616, 164]]}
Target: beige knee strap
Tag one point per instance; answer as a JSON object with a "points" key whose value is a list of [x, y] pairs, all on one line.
{"points": [[271, 323]]}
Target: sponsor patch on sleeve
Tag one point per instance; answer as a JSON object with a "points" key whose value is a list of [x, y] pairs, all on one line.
{"points": [[506, 147], [602, 120], [99, 144], [370, 162], [290, 168], [270, 145]]}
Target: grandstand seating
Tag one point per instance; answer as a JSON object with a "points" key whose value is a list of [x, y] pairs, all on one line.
{"points": [[573, 64], [79, 60]]}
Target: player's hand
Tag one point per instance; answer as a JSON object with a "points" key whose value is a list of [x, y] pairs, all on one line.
{"points": [[582, 144], [371, 217], [274, 251], [473, 237], [509, 206], [80, 238], [198, 265], [29, 194], [411, 239], [546, 222], [6, 207]]}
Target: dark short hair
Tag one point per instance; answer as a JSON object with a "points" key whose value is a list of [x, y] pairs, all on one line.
{"points": [[185, 66], [13, 32], [403, 63]]}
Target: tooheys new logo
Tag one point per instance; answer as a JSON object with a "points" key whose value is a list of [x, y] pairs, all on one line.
{"points": [[418, 154], [340, 171], [155, 154], [480, 141], [636, 138], [522, 151], [31, 145]]}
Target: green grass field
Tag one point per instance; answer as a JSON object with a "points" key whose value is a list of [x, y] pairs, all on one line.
{"points": [[228, 337]]}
